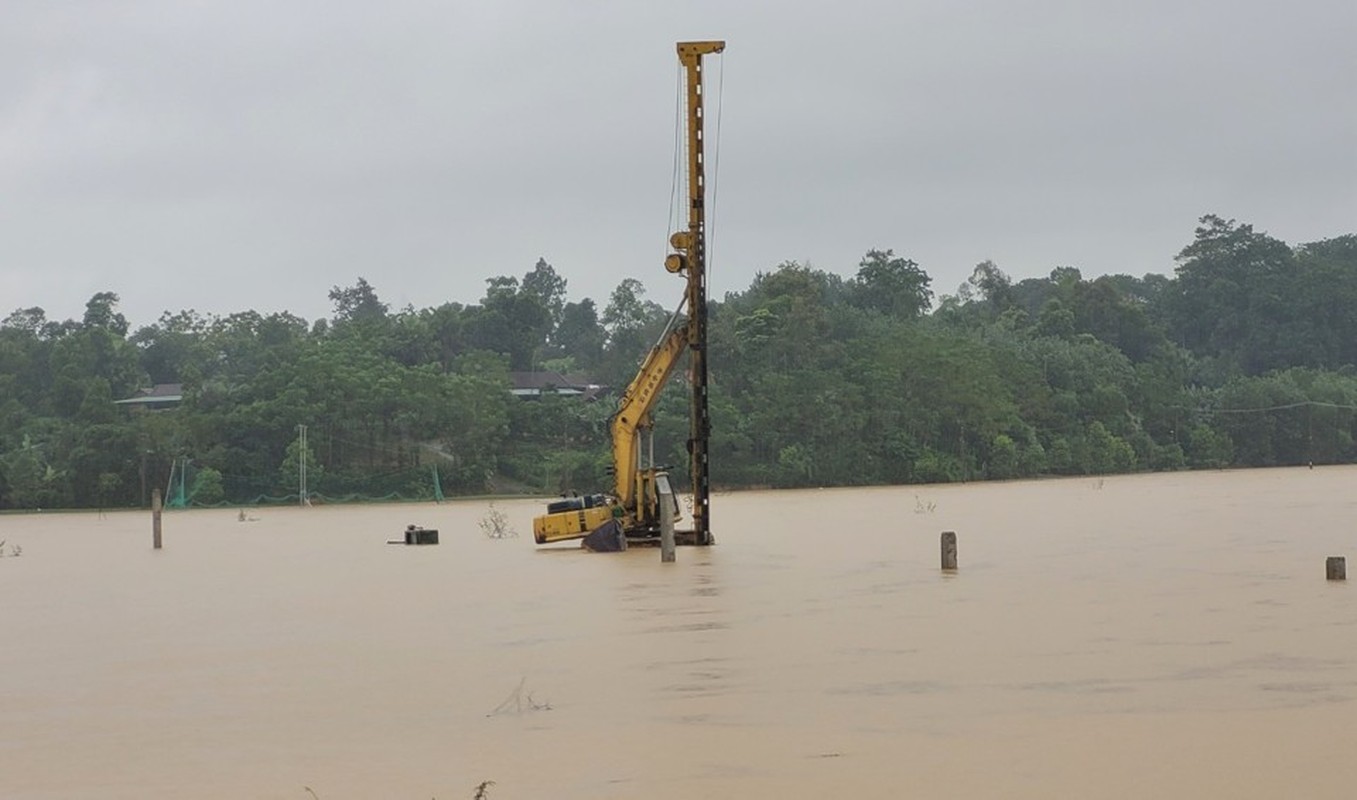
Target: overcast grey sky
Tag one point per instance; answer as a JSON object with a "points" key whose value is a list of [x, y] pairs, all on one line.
{"points": [[242, 154]]}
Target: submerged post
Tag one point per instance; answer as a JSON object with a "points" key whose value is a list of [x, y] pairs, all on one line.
{"points": [[949, 550], [155, 517], [666, 524], [1336, 568]]}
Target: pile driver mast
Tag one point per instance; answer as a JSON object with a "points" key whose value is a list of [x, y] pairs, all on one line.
{"points": [[692, 254], [634, 505]]}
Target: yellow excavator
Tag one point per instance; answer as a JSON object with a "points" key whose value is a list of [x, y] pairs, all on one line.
{"points": [[636, 491], [634, 505]]}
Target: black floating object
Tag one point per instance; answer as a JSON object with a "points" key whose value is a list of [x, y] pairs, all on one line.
{"points": [[606, 538], [417, 535]]}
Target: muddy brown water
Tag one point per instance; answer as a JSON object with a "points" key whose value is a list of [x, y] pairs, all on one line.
{"points": [[1127, 637]]}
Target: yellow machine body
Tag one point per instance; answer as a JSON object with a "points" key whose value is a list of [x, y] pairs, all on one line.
{"points": [[566, 525]]}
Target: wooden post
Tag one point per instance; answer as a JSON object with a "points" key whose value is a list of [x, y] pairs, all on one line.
{"points": [[155, 517], [1336, 568], [949, 550], [666, 526]]}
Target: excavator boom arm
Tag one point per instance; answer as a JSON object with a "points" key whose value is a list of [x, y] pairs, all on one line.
{"points": [[634, 411]]}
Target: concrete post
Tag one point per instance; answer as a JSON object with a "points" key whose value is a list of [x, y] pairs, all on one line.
{"points": [[155, 517], [666, 526], [949, 550]]}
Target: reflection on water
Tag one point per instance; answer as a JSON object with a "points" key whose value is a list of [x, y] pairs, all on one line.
{"points": [[1142, 636]]}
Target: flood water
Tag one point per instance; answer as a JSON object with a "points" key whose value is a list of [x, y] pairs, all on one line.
{"points": [[1126, 637]]}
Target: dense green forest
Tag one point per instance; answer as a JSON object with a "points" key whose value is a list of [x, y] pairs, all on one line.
{"points": [[1244, 357]]}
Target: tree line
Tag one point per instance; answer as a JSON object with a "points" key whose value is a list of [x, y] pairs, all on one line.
{"points": [[1245, 356]]}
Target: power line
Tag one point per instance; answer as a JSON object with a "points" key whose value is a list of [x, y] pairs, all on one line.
{"points": [[1318, 403], [672, 222], [716, 166]]}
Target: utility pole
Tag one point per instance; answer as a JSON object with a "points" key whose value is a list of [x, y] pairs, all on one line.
{"points": [[301, 466]]}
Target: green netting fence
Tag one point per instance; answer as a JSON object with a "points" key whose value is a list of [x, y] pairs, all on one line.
{"points": [[193, 486]]}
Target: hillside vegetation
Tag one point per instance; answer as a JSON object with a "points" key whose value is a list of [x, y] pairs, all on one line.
{"points": [[1243, 357]]}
